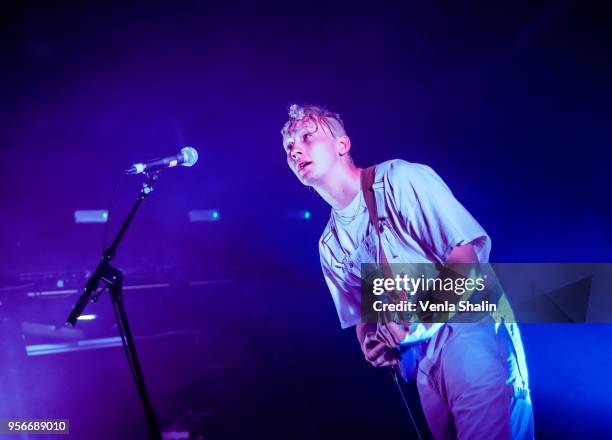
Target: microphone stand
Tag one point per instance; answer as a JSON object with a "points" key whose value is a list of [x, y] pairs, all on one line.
{"points": [[113, 281]]}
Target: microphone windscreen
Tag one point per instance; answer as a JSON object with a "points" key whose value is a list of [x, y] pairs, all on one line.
{"points": [[191, 156]]}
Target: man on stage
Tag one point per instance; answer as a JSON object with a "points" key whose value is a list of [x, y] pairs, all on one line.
{"points": [[472, 381]]}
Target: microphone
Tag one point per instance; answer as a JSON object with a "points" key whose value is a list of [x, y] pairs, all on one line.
{"points": [[187, 157]]}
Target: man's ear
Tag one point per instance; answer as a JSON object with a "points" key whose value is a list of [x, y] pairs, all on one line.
{"points": [[344, 145]]}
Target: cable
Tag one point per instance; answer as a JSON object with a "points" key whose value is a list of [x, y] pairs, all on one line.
{"points": [[399, 388]]}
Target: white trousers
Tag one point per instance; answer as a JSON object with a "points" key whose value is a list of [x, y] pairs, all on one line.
{"points": [[473, 383]]}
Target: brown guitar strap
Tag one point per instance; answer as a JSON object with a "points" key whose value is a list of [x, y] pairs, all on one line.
{"points": [[367, 180]]}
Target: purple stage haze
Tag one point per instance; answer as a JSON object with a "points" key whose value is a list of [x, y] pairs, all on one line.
{"points": [[509, 103]]}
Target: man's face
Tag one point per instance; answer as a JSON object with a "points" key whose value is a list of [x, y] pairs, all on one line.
{"points": [[311, 151]]}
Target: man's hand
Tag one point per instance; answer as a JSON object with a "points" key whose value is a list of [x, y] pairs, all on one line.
{"points": [[375, 351], [378, 353], [391, 334]]}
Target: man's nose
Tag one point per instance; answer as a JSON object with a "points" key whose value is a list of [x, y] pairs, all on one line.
{"points": [[296, 154]]}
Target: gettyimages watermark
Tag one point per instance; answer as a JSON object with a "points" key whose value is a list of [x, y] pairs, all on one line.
{"points": [[510, 292]]}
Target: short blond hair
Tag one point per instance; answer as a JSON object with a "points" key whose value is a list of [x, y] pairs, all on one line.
{"points": [[317, 115]]}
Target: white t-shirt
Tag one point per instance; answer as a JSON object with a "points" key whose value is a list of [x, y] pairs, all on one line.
{"points": [[425, 222], [352, 223]]}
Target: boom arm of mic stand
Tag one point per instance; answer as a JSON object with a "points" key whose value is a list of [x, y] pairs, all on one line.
{"points": [[90, 288], [94, 280]]}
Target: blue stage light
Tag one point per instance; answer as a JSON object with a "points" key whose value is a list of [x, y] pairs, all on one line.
{"points": [[91, 216], [302, 214], [204, 215]]}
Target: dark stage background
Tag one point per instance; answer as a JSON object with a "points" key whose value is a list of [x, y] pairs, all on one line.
{"points": [[508, 102]]}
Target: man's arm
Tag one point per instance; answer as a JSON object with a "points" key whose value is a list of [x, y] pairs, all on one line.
{"points": [[445, 229], [392, 334], [462, 255], [434, 217]]}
